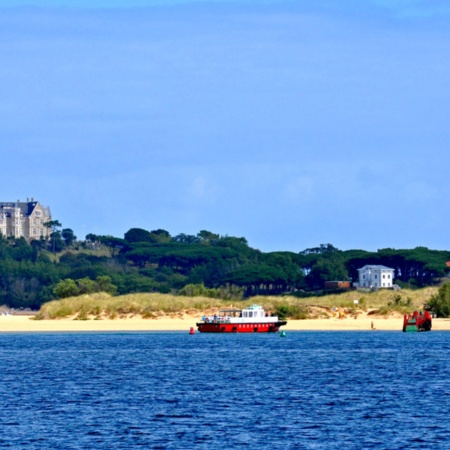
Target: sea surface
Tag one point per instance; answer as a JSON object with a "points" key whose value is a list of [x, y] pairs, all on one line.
{"points": [[308, 390]]}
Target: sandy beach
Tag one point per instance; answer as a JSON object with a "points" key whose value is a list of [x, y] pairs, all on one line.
{"points": [[21, 324]]}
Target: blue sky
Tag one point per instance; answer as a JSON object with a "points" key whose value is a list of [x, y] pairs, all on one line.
{"points": [[289, 123]]}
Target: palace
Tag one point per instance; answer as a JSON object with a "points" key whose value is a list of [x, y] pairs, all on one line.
{"points": [[24, 219]]}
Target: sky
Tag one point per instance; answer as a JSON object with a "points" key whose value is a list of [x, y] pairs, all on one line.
{"points": [[290, 123]]}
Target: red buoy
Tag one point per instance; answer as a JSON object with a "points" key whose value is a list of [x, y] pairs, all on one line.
{"points": [[191, 331]]}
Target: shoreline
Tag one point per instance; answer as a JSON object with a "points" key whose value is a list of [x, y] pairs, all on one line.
{"points": [[25, 324]]}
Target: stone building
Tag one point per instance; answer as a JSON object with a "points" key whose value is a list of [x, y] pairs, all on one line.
{"points": [[24, 219]]}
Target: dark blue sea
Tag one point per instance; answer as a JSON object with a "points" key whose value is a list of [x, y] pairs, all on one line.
{"points": [[308, 390]]}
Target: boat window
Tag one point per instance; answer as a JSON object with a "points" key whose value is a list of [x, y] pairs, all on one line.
{"points": [[250, 314]]}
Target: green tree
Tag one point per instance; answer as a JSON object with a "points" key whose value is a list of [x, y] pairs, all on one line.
{"points": [[139, 235], [86, 286], [440, 303], [68, 236], [66, 288], [53, 225], [186, 239], [104, 284], [332, 269], [207, 237], [161, 235], [115, 245]]}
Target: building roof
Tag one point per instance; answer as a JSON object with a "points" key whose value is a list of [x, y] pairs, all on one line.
{"points": [[26, 208], [375, 267]]}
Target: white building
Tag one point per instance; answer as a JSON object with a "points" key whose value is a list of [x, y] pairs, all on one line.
{"points": [[372, 276]]}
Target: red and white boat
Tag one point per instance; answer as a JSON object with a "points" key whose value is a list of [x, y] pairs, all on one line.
{"points": [[249, 320]]}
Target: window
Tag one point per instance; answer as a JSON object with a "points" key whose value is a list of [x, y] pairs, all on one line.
{"points": [[34, 230]]}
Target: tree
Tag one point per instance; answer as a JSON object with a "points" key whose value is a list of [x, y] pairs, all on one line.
{"points": [[70, 288], [66, 288], [185, 239], [86, 286], [91, 237], [440, 303], [57, 242], [92, 241], [323, 263], [104, 284], [115, 245], [161, 235], [68, 236], [53, 225], [138, 235], [332, 269], [207, 237]]}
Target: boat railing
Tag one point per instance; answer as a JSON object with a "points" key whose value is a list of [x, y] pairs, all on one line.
{"points": [[227, 319], [216, 319]]}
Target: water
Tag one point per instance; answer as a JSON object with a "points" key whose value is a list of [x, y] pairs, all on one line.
{"points": [[310, 390]]}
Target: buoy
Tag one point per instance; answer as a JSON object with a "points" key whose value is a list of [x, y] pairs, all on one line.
{"points": [[283, 334], [191, 330]]}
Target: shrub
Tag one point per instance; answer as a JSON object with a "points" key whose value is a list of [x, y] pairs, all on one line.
{"points": [[66, 288], [228, 292], [440, 302], [70, 288], [294, 312], [282, 311], [297, 312]]}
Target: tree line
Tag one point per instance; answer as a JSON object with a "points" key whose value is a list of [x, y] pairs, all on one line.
{"points": [[32, 273]]}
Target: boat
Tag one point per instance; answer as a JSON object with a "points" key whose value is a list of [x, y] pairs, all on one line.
{"points": [[417, 321], [249, 320]]}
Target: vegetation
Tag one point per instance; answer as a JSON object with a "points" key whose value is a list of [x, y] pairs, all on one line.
{"points": [[205, 265], [70, 288], [228, 292], [102, 305], [440, 302]]}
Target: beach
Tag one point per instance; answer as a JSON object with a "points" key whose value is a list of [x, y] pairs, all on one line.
{"points": [[22, 323]]}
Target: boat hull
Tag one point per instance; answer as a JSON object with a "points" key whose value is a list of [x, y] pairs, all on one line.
{"points": [[417, 322], [211, 327]]}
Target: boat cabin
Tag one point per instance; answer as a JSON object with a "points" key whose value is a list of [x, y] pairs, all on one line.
{"points": [[254, 311]]}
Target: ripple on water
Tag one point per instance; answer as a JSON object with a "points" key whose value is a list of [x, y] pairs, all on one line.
{"points": [[169, 390]]}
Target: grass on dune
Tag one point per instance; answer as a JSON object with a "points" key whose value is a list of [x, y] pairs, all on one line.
{"points": [[103, 305], [382, 302], [153, 305], [366, 300]]}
